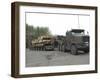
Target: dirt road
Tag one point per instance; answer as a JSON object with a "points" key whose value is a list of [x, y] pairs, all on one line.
{"points": [[54, 58]]}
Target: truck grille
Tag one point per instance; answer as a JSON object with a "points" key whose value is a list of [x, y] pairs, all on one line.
{"points": [[85, 38]]}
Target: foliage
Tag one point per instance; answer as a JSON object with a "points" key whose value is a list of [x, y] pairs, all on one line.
{"points": [[34, 32]]}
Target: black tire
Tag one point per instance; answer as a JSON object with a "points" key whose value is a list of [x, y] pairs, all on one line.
{"points": [[86, 51], [74, 50]]}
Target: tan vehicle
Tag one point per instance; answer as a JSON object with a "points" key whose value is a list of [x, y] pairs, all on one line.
{"points": [[43, 43]]}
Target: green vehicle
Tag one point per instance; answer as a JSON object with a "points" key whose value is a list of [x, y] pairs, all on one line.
{"points": [[75, 40]]}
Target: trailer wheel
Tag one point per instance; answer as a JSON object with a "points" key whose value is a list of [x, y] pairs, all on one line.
{"points": [[74, 50]]}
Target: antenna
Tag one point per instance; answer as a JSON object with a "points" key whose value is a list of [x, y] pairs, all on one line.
{"points": [[78, 22]]}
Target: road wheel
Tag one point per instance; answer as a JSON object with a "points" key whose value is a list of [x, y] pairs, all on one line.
{"points": [[74, 50]]}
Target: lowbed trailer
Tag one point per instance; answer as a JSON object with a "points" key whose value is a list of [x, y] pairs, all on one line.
{"points": [[74, 41]]}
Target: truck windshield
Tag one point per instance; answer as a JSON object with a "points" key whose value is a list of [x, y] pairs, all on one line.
{"points": [[78, 33]]}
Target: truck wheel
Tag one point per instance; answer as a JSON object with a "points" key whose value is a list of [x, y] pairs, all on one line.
{"points": [[86, 51], [74, 50]]}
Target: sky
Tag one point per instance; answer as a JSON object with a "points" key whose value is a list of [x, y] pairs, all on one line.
{"points": [[58, 23]]}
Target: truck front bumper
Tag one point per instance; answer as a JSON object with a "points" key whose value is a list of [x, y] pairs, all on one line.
{"points": [[84, 47]]}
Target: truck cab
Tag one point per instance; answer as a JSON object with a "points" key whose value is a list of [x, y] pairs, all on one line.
{"points": [[76, 40]]}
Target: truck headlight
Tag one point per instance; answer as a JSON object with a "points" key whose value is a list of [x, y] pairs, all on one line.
{"points": [[86, 43]]}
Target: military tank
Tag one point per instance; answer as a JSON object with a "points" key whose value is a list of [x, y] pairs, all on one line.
{"points": [[43, 43]]}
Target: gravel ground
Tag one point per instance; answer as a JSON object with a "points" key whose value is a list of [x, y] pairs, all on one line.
{"points": [[54, 58]]}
